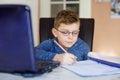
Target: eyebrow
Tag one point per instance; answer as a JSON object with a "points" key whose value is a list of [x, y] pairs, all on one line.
{"points": [[68, 30]]}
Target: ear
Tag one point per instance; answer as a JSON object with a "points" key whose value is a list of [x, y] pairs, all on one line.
{"points": [[54, 32]]}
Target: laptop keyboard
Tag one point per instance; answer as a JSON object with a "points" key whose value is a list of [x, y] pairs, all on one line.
{"points": [[47, 66]]}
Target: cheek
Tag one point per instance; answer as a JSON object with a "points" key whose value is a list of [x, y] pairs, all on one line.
{"points": [[61, 39], [75, 39]]}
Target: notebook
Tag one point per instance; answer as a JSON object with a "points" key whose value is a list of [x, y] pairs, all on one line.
{"points": [[16, 42], [90, 68]]}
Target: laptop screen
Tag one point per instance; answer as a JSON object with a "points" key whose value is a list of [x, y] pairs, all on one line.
{"points": [[16, 40]]}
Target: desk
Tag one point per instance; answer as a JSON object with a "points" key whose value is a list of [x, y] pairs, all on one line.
{"points": [[58, 74]]}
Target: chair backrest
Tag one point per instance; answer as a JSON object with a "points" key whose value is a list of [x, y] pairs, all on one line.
{"points": [[86, 29]]}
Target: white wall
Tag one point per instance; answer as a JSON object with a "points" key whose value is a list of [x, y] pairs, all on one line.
{"points": [[34, 11], [44, 8]]}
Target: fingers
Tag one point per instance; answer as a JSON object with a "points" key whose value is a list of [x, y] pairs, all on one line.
{"points": [[65, 58], [68, 59]]}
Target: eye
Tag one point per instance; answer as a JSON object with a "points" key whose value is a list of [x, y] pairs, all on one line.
{"points": [[75, 33], [65, 33]]}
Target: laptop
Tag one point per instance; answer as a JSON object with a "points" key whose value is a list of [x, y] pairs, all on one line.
{"points": [[16, 42]]}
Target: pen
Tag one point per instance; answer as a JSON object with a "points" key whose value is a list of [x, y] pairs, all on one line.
{"points": [[60, 46], [63, 49]]}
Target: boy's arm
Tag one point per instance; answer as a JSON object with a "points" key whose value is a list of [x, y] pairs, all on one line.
{"points": [[86, 51], [43, 51]]}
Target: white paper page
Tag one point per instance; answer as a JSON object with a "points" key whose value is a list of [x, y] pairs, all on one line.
{"points": [[91, 68]]}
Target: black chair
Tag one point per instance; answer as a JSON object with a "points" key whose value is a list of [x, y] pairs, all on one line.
{"points": [[86, 29]]}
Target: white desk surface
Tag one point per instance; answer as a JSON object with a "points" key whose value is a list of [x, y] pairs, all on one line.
{"points": [[58, 74]]}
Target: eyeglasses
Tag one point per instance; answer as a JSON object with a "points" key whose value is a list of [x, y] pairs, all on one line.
{"points": [[66, 33]]}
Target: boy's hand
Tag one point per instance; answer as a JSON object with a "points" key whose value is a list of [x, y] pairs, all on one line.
{"points": [[65, 58]]}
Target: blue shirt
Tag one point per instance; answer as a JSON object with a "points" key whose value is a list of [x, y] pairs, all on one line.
{"points": [[48, 49]]}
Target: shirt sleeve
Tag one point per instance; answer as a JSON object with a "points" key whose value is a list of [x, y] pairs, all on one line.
{"points": [[85, 51], [43, 51]]}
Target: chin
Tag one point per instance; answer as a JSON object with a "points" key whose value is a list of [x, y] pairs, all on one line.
{"points": [[68, 46]]}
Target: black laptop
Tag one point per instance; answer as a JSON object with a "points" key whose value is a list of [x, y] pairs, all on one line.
{"points": [[16, 42]]}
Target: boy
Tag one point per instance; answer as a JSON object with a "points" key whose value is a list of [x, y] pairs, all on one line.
{"points": [[66, 31]]}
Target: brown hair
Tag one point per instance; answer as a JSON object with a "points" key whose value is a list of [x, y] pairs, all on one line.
{"points": [[66, 17]]}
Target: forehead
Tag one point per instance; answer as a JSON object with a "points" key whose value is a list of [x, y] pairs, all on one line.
{"points": [[70, 27]]}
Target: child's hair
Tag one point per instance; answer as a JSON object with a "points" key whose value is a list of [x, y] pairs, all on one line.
{"points": [[66, 17]]}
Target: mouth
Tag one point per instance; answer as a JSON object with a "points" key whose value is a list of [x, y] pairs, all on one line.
{"points": [[69, 43]]}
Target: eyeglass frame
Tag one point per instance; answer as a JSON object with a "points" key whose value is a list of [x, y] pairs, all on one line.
{"points": [[68, 33]]}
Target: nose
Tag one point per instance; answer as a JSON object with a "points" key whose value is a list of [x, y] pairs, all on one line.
{"points": [[70, 36]]}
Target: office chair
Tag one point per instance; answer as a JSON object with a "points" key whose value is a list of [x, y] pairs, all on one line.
{"points": [[86, 29]]}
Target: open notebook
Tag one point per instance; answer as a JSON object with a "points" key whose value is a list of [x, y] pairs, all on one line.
{"points": [[90, 68], [96, 65], [16, 42]]}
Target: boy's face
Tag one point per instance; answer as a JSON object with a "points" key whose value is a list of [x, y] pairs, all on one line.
{"points": [[67, 35]]}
